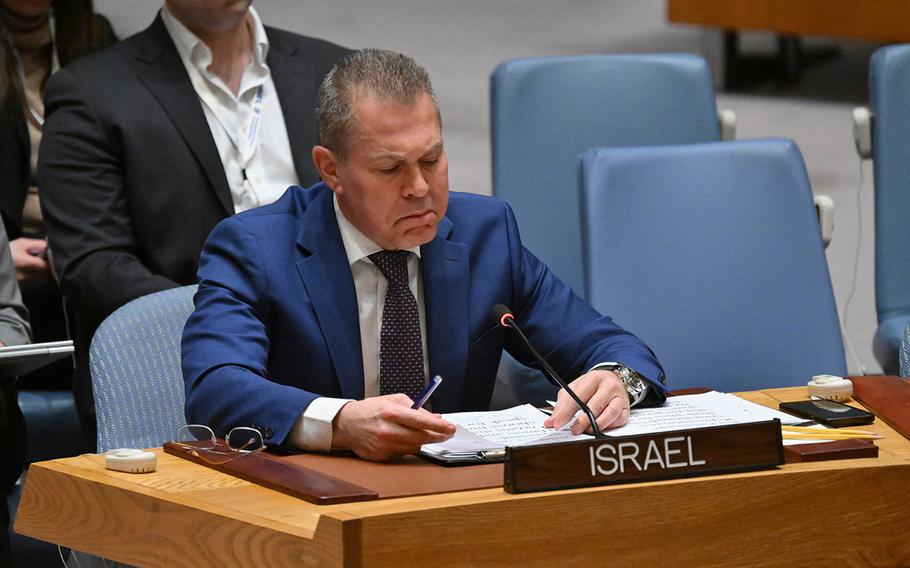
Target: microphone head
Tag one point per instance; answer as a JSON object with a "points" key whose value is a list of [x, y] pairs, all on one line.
{"points": [[501, 314]]}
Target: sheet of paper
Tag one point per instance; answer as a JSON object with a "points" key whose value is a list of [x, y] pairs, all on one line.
{"points": [[741, 409], [488, 431], [523, 425], [700, 411]]}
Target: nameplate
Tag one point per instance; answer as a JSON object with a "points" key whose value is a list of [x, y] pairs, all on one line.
{"points": [[645, 457]]}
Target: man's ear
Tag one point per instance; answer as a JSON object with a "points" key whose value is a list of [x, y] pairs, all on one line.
{"points": [[327, 165]]}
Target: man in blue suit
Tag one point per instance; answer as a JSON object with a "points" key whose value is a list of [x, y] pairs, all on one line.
{"points": [[319, 317]]}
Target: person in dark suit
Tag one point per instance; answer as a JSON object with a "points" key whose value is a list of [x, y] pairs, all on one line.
{"points": [[319, 317], [146, 149]]}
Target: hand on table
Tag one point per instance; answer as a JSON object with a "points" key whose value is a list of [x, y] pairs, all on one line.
{"points": [[603, 392], [384, 427]]}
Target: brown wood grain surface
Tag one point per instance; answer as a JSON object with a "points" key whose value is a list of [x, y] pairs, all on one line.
{"points": [[311, 485], [872, 20], [421, 477], [888, 397], [187, 515]]}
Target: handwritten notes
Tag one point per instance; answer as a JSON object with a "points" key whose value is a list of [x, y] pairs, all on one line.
{"points": [[482, 434]]}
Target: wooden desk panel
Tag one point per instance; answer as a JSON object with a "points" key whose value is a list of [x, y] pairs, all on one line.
{"points": [[872, 20], [735, 521], [188, 515]]}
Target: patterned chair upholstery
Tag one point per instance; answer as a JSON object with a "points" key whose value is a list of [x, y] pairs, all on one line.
{"points": [[905, 354], [136, 376]]}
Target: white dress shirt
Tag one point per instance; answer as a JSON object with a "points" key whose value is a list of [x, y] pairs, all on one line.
{"points": [[313, 430], [248, 128]]}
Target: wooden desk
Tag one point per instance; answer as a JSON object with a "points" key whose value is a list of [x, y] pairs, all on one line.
{"points": [[847, 512], [884, 21]]}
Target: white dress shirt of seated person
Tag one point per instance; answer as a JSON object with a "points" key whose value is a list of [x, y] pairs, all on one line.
{"points": [[389, 173]]}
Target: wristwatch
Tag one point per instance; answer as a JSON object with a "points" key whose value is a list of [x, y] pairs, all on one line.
{"points": [[635, 385]]}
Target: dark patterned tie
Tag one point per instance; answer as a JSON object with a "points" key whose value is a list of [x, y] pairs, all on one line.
{"points": [[400, 344]]}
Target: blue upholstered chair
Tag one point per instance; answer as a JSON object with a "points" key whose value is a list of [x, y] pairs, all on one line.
{"points": [[711, 253], [905, 354], [52, 425], [546, 111], [136, 376], [53, 431], [889, 85]]}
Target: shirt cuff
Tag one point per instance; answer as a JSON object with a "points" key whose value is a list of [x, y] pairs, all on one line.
{"points": [[313, 428]]}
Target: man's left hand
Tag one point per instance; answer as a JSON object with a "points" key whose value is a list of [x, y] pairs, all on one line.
{"points": [[604, 394]]}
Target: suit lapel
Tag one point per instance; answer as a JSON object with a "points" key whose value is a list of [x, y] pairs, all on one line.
{"points": [[330, 287], [446, 276], [293, 76], [326, 275], [165, 76]]}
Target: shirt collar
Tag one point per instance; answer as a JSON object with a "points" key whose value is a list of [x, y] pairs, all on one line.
{"points": [[193, 51], [357, 245], [260, 39]]}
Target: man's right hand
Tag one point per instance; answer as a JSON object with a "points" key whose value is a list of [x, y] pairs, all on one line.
{"points": [[30, 260], [385, 427]]}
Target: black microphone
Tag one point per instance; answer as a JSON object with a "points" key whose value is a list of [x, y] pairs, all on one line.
{"points": [[504, 316]]}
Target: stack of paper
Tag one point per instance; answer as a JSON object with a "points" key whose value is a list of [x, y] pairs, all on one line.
{"points": [[483, 436]]}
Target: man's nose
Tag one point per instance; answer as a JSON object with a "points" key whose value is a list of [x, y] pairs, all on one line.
{"points": [[417, 185]]}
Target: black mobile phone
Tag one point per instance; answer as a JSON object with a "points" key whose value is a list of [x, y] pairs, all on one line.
{"points": [[828, 412]]}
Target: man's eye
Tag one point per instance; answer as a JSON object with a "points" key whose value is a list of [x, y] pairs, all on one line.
{"points": [[389, 170], [429, 162]]}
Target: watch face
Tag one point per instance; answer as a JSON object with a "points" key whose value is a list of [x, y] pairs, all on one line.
{"points": [[630, 379], [634, 384]]}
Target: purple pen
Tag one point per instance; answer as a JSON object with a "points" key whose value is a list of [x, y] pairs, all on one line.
{"points": [[427, 391]]}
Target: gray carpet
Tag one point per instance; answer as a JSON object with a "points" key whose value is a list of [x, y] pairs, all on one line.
{"points": [[461, 41]]}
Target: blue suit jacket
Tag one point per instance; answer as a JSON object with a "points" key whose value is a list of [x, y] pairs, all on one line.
{"points": [[276, 322]]}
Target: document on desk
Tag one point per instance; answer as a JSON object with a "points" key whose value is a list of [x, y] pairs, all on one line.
{"points": [[701, 411], [483, 436]]}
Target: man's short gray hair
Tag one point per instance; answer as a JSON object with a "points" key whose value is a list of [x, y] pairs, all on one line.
{"points": [[390, 76]]}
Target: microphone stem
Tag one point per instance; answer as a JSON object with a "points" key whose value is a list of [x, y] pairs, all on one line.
{"points": [[558, 380]]}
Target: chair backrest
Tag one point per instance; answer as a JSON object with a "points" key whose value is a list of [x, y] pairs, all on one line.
{"points": [[546, 111], [712, 254], [136, 375], [889, 86]]}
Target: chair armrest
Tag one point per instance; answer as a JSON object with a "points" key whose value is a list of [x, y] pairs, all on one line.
{"points": [[726, 118], [862, 132], [824, 208]]}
